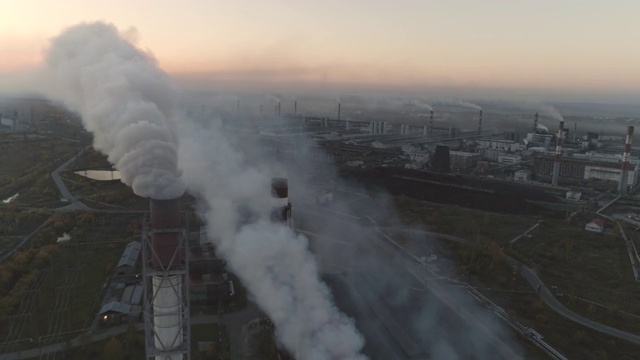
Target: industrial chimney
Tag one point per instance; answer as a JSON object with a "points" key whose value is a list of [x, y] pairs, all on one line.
{"points": [[281, 207], [556, 164], [431, 123], [279, 109], [238, 108], [622, 185], [535, 123], [480, 123], [339, 105], [295, 107], [165, 276]]}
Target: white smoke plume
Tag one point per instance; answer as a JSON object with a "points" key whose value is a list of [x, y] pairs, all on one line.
{"points": [[551, 112], [272, 261], [461, 103], [129, 105], [125, 100]]}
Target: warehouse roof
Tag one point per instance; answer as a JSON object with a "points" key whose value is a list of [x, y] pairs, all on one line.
{"points": [[130, 254]]}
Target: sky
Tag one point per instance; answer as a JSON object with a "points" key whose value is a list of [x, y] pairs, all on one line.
{"points": [[580, 48]]}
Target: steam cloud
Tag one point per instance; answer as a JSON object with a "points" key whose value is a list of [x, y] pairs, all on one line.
{"points": [[552, 112], [271, 260], [125, 101], [129, 106], [464, 104]]}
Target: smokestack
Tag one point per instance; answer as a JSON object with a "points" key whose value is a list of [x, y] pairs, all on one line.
{"points": [[281, 207], [556, 164], [238, 108], [535, 123], [295, 107], [480, 123], [622, 186], [575, 132], [168, 271], [339, 111], [431, 123], [278, 109]]}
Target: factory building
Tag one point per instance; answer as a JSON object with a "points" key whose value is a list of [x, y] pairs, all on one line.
{"points": [[594, 168], [209, 283], [523, 175], [502, 145], [509, 159], [129, 259], [540, 140], [441, 161], [461, 160]]}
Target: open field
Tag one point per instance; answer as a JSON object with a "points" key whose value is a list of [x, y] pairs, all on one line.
{"points": [[584, 266]]}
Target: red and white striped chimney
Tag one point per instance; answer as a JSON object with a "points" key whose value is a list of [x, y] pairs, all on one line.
{"points": [[480, 123], [622, 185], [556, 164]]}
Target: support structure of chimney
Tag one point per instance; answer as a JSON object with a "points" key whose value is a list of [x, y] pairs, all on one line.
{"points": [[480, 123], [535, 123], [622, 185], [165, 275], [556, 163], [281, 207]]}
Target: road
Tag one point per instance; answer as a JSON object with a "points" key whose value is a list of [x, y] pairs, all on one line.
{"points": [[64, 191], [545, 295]]}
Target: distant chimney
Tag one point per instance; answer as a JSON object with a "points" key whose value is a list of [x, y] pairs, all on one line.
{"points": [[431, 123], [480, 123], [622, 185], [338, 111], [295, 107], [556, 164], [278, 109], [238, 108], [535, 123]]}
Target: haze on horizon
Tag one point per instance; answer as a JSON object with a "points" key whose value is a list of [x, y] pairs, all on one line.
{"points": [[550, 50]]}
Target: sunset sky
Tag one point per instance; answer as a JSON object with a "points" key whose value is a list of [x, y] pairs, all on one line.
{"points": [[573, 46]]}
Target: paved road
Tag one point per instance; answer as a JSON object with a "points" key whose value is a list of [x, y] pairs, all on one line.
{"points": [[530, 275], [64, 191]]}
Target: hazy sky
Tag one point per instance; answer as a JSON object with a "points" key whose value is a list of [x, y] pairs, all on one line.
{"points": [[577, 46]]}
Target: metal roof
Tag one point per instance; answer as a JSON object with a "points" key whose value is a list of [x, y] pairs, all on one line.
{"points": [[115, 306], [130, 254]]}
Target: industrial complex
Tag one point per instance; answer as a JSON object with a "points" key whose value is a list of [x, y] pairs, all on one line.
{"points": [[167, 278]]}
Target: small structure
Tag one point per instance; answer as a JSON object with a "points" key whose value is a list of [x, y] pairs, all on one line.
{"points": [[523, 175], [129, 258], [596, 225], [116, 312], [574, 195]]}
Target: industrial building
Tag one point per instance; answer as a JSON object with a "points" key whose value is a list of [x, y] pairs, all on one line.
{"points": [[595, 168], [129, 260], [461, 160]]}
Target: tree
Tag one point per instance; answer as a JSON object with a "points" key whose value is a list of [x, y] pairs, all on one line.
{"points": [[113, 350]]}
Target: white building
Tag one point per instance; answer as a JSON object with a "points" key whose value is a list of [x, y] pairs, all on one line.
{"points": [[509, 159], [522, 175], [463, 160], [503, 145], [596, 225]]}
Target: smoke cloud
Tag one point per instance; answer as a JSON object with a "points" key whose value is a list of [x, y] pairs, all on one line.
{"points": [[272, 261], [551, 112], [125, 100], [464, 104]]}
